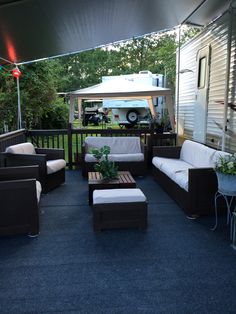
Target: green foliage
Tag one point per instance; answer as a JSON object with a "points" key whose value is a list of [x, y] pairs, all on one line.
{"points": [[84, 69], [8, 99], [226, 164], [38, 85], [161, 123], [56, 116], [38, 91], [107, 168], [189, 33]]}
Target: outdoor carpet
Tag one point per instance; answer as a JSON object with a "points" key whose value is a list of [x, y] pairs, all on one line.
{"points": [[176, 266]]}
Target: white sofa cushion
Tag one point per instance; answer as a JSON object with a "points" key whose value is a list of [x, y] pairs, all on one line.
{"points": [[218, 154], [126, 157], [117, 144], [197, 154], [55, 165], [90, 158], [181, 178], [38, 190], [117, 157], [175, 169], [23, 148], [118, 196], [170, 165]]}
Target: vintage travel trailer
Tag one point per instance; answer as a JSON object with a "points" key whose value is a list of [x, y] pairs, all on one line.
{"points": [[206, 85], [128, 112]]}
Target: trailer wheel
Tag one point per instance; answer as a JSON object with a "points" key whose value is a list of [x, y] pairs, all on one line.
{"points": [[132, 116]]}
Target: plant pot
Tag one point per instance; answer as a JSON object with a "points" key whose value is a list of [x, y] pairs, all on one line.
{"points": [[159, 129], [226, 183]]}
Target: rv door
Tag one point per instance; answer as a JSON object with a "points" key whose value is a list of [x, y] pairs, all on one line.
{"points": [[202, 89]]}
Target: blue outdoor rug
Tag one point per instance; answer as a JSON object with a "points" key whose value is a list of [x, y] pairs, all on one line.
{"points": [[176, 266]]}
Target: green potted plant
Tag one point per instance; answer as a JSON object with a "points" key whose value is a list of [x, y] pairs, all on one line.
{"points": [[161, 123], [226, 174], [107, 168]]}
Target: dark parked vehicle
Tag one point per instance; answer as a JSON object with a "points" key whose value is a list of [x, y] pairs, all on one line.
{"points": [[94, 116]]}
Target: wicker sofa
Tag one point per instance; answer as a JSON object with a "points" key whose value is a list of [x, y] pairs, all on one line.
{"points": [[187, 174], [128, 152]]}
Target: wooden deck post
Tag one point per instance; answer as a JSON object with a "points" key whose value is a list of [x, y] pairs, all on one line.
{"points": [[69, 134]]}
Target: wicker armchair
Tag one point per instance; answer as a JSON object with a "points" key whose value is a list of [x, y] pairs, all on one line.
{"points": [[19, 199], [50, 161]]}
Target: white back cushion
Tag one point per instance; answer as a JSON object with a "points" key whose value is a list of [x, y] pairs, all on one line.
{"points": [[218, 154], [23, 148], [197, 154], [118, 145]]}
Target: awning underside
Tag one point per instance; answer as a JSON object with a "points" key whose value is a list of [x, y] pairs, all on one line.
{"points": [[35, 29]]}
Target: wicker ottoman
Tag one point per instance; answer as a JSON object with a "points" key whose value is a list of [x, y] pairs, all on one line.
{"points": [[119, 208]]}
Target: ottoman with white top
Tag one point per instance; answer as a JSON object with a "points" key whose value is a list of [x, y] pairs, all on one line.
{"points": [[119, 208]]}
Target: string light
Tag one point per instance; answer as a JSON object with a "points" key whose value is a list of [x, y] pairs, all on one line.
{"points": [[16, 72]]}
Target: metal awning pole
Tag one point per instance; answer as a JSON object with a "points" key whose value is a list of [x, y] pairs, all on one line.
{"points": [[227, 75], [19, 123], [177, 87], [72, 109]]}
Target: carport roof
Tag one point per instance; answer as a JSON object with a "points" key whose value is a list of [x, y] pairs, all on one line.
{"points": [[120, 88], [35, 29]]}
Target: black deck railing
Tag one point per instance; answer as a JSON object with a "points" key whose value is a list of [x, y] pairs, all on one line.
{"points": [[71, 140], [12, 138]]}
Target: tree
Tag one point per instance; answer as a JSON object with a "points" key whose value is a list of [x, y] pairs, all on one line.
{"points": [[83, 69], [37, 90], [56, 116], [8, 99]]}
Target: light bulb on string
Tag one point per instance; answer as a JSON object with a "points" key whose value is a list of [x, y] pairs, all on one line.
{"points": [[16, 72]]}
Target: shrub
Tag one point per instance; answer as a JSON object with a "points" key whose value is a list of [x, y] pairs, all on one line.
{"points": [[107, 168]]}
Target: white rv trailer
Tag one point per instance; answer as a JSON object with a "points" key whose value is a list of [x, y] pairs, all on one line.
{"points": [[131, 112], [206, 105]]}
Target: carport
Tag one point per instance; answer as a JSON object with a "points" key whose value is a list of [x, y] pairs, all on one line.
{"points": [[122, 89]]}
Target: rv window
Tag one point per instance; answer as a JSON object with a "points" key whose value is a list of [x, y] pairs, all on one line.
{"points": [[201, 72]]}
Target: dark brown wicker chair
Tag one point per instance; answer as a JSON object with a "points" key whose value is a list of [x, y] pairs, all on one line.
{"points": [[41, 157], [19, 198]]}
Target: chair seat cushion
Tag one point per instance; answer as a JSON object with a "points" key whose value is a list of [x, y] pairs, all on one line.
{"points": [[118, 196], [38, 190], [117, 157], [55, 165]]}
